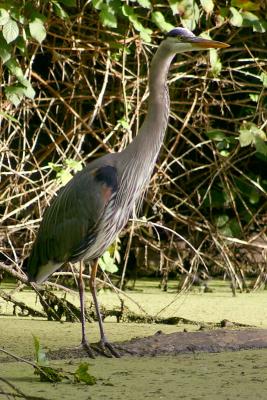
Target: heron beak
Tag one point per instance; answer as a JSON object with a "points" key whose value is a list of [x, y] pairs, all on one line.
{"points": [[207, 43]]}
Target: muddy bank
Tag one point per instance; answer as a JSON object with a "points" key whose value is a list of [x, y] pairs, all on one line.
{"points": [[161, 344]]}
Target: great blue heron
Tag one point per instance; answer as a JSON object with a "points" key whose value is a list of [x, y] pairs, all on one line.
{"points": [[88, 213]]}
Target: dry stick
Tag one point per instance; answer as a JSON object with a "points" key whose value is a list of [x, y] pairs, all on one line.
{"points": [[24, 279], [34, 365], [56, 94], [118, 291], [188, 116], [19, 393]]}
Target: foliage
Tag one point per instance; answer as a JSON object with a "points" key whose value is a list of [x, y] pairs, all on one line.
{"points": [[54, 375], [74, 79]]}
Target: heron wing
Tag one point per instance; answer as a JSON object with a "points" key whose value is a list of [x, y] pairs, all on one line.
{"points": [[70, 223]]}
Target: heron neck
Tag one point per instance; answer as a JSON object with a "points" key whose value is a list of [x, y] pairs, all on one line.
{"points": [[151, 134]]}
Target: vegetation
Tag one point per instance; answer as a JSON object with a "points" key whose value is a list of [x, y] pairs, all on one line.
{"points": [[74, 86]]}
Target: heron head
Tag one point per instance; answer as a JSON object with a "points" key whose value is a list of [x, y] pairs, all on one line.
{"points": [[180, 40]]}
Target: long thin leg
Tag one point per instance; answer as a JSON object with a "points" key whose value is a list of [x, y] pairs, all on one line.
{"points": [[103, 341], [85, 342]]}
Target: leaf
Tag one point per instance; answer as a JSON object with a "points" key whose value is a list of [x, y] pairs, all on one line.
{"points": [[246, 5], [174, 6], [145, 33], [124, 123], [64, 176], [216, 65], [245, 138], [37, 28], [73, 164], [188, 11], [159, 20], [252, 20], [4, 16], [254, 97], [97, 4], [82, 375], [144, 3], [59, 11], [254, 196], [236, 19], [9, 117], [15, 69], [28, 89], [216, 135], [39, 353], [5, 51], [207, 5], [49, 374], [251, 134], [221, 220], [107, 16], [261, 146], [68, 3], [106, 263], [10, 31], [14, 94], [263, 78]]}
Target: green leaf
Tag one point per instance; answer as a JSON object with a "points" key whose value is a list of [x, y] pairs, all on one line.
{"points": [[5, 50], [4, 16], [216, 135], [9, 117], [10, 31], [159, 20], [207, 5], [261, 146], [59, 11], [107, 16], [74, 165], [98, 4], [245, 138], [254, 196], [144, 3], [37, 29], [216, 65], [174, 6], [246, 5], [254, 97], [28, 89], [82, 375], [14, 94], [145, 33], [188, 11], [64, 176], [124, 123], [263, 78], [252, 20], [107, 263], [39, 353], [251, 134], [49, 374], [236, 19], [15, 69], [68, 3], [221, 220]]}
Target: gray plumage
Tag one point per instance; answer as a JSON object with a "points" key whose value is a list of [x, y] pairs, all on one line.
{"points": [[88, 213]]}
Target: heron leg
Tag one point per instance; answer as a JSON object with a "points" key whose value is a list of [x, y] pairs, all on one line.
{"points": [[92, 283], [85, 342]]}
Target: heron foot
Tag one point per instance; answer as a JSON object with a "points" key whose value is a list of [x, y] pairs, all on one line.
{"points": [[86, 346], [104, 345]]}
